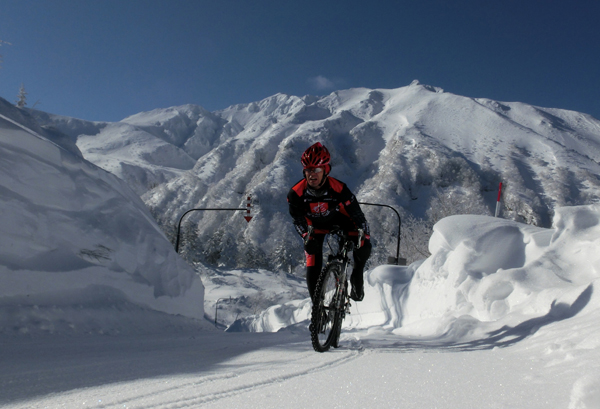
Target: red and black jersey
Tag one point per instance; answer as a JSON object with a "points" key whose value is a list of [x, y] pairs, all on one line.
{"points": [[331, 205]]}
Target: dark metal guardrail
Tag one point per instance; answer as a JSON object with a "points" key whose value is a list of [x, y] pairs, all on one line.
{"points": [[392, 260], [194, 210]]}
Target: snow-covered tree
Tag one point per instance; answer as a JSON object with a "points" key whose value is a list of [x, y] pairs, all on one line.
{"points": [[22, 97], [414, 244], [248, 255], [284, 256]]}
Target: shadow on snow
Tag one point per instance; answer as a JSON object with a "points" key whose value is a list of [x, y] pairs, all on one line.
{"points": [[500, 338]]}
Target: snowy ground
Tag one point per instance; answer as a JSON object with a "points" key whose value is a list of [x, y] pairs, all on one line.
{"points": [[274, 370]]}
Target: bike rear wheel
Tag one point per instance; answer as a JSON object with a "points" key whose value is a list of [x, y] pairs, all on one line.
{"points": [[326, 317]]}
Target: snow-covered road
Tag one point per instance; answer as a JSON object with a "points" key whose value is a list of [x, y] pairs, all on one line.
{"points": [[274, 370]]}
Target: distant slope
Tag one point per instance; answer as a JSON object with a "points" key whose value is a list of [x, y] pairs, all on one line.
{"points": [[146, 149]]}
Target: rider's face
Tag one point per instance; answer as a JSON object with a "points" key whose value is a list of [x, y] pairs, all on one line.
{"points": [[314, 176]]}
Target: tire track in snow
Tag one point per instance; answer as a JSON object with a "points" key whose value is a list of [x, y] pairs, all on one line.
{"points": [[228, 390], [157, 390]]}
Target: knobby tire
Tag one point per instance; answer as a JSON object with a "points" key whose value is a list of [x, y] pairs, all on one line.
{"points": [[326, 319], [340, 315]]}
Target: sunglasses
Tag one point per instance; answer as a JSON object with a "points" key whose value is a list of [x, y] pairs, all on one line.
{"points": [[313, 170]]}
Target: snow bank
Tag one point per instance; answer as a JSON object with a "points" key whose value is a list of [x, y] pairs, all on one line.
{"points": [[494, 270], [71, 234], [484, 273]]}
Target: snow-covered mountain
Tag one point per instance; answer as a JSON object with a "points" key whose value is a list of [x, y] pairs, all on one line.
{"points": [[75, 238], [146, 149], [424, 151]]}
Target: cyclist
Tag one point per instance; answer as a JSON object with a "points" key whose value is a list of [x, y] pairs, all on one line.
{"points": [[317, 203]]}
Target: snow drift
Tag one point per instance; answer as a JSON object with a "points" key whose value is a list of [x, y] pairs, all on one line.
{"points": [[73, 236]]}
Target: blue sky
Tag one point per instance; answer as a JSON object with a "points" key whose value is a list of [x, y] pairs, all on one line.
{"points": [[104, 60]]}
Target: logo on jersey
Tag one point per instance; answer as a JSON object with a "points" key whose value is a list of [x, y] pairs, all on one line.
{"points": [[319, 209]]}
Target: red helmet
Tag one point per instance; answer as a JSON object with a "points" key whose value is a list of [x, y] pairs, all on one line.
{"points": [[316, 156]]}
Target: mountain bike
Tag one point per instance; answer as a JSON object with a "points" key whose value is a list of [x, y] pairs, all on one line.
{"points": [[331, 301]]}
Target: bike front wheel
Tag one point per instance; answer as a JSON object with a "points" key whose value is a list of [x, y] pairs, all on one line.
{"points": [[325, 320]]}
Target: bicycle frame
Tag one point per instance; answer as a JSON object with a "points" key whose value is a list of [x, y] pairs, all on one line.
{"points": [[342, 257]]}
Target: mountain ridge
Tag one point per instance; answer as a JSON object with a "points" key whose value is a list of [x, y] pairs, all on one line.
{"points": [[417, 148]]}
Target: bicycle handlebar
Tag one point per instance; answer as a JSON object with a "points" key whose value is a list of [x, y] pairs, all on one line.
{"points": [[335, 230], [309, 233]]}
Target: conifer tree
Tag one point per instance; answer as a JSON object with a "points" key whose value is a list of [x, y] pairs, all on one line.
{"points": [[22, 97]]}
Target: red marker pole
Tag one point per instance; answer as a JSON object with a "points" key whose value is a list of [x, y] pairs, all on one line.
{"points": [[498, 201], [248, 207]]}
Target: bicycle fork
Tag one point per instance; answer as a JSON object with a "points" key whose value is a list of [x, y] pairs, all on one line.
{"points": [[342, 299]]}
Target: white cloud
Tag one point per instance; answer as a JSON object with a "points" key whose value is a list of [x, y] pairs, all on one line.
{"points": [[321, 83]]}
